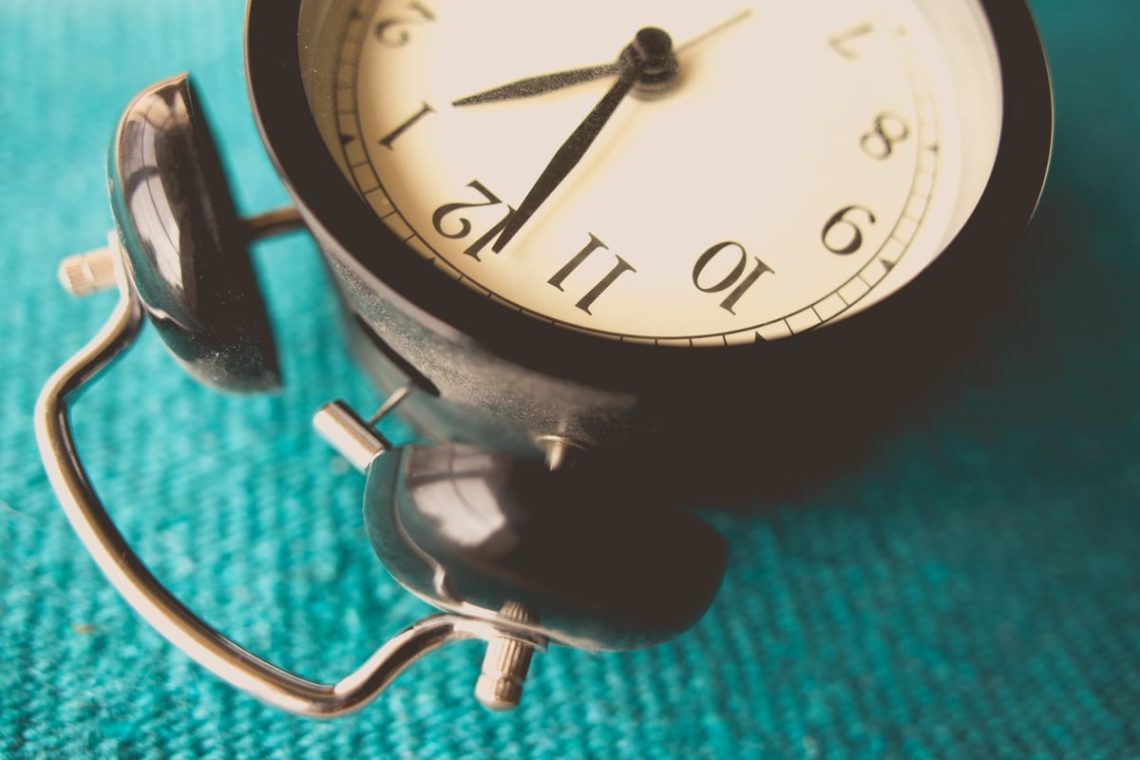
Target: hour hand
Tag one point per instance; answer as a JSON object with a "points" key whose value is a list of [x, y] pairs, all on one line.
{"points": [[530, 86]]}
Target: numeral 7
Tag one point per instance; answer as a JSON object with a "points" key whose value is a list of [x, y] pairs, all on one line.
{"points": [[841, 42]]}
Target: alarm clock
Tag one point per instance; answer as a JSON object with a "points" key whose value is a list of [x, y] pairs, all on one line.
{"points": [[604, 261]]}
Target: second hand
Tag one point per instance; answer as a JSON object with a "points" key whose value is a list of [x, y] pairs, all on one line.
{"points": [[715, 30]]}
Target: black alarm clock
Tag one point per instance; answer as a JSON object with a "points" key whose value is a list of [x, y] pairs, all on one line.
{"points": [[604, 260]]}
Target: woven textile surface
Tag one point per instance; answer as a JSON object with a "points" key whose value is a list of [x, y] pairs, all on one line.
{"points": [[972, 591]]}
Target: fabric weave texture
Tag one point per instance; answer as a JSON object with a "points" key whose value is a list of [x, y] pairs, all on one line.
{"points": [[972, 591]]}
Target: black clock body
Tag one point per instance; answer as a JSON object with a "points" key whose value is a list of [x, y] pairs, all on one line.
{"points": [[688, 421]]}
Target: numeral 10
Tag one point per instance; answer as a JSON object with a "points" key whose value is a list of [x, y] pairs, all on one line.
{"points": [[740, 278]]}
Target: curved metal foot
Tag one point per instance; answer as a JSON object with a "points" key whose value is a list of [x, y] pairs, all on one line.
{"points": [[221, 656]]}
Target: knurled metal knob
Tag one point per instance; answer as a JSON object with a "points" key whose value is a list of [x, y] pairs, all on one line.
{"points": [[91, 272], [505, 666]]}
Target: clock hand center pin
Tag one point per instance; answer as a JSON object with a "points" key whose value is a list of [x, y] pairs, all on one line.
{"points": [[648, 61]]}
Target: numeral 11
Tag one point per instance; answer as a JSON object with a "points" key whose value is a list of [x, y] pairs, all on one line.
{"points": [[621, 267]]}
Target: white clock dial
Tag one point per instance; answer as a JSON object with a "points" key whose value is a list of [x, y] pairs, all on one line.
{"points": [[807, 160]]}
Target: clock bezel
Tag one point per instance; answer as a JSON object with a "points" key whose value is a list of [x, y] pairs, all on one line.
{"points": [[916, 317]]}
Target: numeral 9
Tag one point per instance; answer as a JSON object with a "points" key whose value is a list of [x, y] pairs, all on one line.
{"points": [[841, 221]]}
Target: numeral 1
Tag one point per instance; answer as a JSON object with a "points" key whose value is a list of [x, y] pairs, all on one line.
{"points": [[395, 133], [621, 267]]}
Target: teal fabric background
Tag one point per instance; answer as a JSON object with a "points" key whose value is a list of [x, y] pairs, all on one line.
{"points": [[973, 591]]}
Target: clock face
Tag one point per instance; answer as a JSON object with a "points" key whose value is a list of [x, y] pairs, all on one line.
{"points": [[798, 162]]}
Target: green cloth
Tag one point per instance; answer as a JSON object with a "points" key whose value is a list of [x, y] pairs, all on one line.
{"points": [[972, 591]]}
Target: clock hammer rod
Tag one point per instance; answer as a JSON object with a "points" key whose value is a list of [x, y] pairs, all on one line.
{"points": [[92, 272]]}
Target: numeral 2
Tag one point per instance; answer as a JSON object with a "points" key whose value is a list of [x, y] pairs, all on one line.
{"points": [[393, 32]]}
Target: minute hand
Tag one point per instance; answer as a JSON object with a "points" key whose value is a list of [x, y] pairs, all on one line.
{"points": [[572, 150]]}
